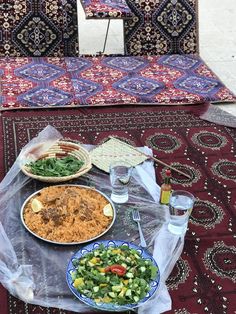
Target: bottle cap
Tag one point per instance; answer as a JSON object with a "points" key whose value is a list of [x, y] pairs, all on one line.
{"points": [[168, 172]]}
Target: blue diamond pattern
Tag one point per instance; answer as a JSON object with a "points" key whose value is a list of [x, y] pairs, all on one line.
{"points": [[139, 86], [40, 72], [125, 63], [198, 85], [46, 97], [77, 64], [179, 61], [85, 88]]}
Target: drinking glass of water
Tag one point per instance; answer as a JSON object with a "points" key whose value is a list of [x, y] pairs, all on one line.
{"points": [[180, 206], [120, 173]]}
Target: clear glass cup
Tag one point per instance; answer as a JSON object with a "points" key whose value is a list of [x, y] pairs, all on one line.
{"points": [[180, 207], [120, 173]]}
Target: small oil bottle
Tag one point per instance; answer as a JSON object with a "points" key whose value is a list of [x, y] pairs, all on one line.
{"points": [[166, 189]]}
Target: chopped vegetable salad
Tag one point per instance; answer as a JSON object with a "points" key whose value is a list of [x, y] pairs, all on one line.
{"points": [[116, 275]]}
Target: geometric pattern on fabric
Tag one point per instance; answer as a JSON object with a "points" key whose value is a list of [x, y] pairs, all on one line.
{"points": [[161, 27], [176, 79], [101, 80], [199, 85], [78, 64], [44, 97], [209, 139], [39, 72], [179, 274], [225, 169], [180, 62], [84, 89], [221, 260], [126, 64], [138, 86], [207, 214], [38, 28], [203, 280], [35, 82], [106, 9]]}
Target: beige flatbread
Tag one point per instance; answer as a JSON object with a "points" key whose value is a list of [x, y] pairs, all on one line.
{"points": [[115, 150]]}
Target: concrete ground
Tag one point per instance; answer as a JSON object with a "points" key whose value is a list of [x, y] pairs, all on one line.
{"points": [[217, 34]]}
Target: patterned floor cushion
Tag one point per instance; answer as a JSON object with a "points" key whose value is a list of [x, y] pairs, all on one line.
{"points": [[162, 27], [106, 9], [96, 81], [38, 28]]}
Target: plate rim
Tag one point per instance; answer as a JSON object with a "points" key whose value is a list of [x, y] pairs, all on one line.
{"points": [[68, 243], [116, 308]]}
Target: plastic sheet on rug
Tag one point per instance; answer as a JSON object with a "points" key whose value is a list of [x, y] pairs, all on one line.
{"points": [[34, 270], [219, 116]]}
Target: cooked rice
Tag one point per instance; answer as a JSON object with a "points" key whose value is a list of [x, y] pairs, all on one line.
{"points": [[69, 214]]}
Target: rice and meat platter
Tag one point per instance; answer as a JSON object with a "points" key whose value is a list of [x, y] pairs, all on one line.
{"points": [[68, 214]]}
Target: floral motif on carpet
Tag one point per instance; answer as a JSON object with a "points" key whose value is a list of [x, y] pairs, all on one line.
{"points": [[95, 81], [106, 9], [38, 28], [203, 280], [162, 27]]}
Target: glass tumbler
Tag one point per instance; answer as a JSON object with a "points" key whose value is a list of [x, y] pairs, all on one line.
{"points": [[180, 207], [120, 173]]}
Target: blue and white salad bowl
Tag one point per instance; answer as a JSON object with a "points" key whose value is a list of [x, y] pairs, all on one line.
{"points": [[71, 269]]}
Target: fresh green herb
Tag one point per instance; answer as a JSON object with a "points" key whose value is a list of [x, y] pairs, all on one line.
{"points": [[116, 275], [56, 167]]}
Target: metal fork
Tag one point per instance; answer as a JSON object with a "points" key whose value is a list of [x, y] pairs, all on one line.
{"points": [[136, 218]]}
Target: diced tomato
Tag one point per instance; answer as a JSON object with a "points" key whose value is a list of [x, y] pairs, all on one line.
{"points": [[116, 269], [107, 269]]}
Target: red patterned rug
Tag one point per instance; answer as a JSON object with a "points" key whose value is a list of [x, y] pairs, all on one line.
{"points": [[108, 81], [203, 280]]}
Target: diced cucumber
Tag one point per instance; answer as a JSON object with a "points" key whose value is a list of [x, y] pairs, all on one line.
{"points": [[112, 294], [142, 269], [117, 288], [136, 299], [128, 293], [96, 289], [129, 275]]}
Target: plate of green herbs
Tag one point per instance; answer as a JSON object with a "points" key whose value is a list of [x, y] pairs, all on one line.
{"points": [[63, 161], [56, 167]]}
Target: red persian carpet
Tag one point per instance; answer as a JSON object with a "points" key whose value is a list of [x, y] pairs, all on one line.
{"points": [[203, 279]]}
